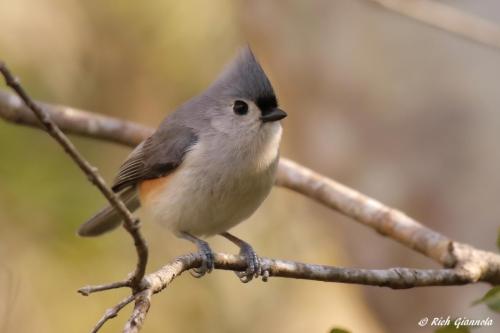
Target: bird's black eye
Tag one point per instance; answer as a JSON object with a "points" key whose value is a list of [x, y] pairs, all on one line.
{"points": [[240, 108]]}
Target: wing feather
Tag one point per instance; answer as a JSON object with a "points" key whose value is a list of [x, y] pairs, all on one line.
{"points": [[156, 156]]}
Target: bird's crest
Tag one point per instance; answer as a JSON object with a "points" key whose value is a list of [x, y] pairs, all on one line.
{"points": [[245, 78]]}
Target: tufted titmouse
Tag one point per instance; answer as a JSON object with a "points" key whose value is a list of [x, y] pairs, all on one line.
{"points": [[208, 166]]}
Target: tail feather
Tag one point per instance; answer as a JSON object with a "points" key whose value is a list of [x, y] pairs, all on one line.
{"points": [[108, 218]]}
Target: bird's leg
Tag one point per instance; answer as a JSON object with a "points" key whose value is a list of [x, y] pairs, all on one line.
{"points": [[254, 266], [206, 254]]}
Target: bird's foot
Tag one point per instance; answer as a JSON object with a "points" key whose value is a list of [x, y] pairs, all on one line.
{"points": [[254, 265], [207, 256], [206, 253]]}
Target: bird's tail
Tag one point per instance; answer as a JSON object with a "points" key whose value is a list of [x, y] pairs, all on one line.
{"points": [[108, 218]]}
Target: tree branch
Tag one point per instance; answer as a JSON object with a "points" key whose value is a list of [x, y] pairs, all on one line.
{"points": [[74, 121], [112, 312], [363, 209], [394, 278], [447, 18], [484, 266], [130, 223], [464, 263]]}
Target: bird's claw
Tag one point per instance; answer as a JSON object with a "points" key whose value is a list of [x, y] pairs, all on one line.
{"points": [[208, 262], [254, 265]]}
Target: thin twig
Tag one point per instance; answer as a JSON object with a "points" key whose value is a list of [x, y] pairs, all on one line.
{"points": [[141, 308], [112, 313], [87, 290], [130, 223], [447, 18]]}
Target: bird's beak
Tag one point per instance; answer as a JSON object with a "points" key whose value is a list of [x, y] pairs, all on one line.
{"points": [[273, 115]]}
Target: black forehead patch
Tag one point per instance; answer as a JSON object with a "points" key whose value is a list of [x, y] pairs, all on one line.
{"points": [[267, 102]]}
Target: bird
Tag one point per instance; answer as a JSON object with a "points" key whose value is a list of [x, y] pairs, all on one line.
{"points": [[209, 165]]}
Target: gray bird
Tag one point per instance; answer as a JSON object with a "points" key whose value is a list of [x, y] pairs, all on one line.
{"points": [[209, 165]]}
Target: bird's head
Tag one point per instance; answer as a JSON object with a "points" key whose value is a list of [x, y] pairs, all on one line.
{"points": [[245, 100]]}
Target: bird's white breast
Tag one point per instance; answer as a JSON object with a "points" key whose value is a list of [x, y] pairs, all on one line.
{"points": [[214, 189]]}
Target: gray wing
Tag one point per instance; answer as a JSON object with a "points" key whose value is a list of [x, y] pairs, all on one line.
{"points": [[156, 156]]}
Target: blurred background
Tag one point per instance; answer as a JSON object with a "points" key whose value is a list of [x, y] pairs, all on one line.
{"points": [[401, 111]]}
